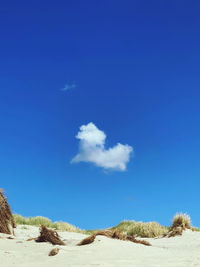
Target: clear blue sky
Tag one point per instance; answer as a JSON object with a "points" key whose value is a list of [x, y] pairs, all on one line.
{"points": [[130, 67]]}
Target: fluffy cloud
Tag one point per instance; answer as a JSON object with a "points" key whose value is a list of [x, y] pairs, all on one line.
{"points": [[92, 149]]}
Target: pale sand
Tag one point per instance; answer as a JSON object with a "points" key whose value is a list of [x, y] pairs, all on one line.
{"points": [[178, 251]]}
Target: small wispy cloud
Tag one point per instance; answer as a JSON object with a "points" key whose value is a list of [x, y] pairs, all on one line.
{"points": [[92, 149], [68, 86]]}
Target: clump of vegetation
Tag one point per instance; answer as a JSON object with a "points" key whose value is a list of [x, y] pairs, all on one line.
{"points": [[125, 226], [181, 220], [7, 223], [36, 221], [87, 240], [49, 235], [64, 226], [131, 228], [115, 234], [39, 220], [148, 229]]}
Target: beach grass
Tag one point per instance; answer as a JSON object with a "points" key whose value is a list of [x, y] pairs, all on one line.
{"points": [[40, 220], [142, 229], [181, 219], [132, 228]]}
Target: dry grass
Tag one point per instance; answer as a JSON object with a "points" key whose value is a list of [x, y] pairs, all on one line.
{"points": [[140, 229], [125, 226], [64, 226], [49, 235], [134, 229], [6, 219], [129, 228], [133, 239], [87, 240], [116, 234], [149, 229], [175, 231], [39, 220], [36, 221], [181, 220]]}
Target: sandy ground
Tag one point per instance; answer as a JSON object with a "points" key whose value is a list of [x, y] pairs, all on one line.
{"points": [[178, 251]]}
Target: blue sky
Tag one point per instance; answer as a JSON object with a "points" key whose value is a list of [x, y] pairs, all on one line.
{"points": [[129, 67]]}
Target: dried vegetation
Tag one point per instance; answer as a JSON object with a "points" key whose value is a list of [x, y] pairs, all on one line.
{"points": [[7, 223], [49, 235]]}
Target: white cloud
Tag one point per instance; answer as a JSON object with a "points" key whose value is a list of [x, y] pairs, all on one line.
{"points": [[92, 149], [68, 87]]}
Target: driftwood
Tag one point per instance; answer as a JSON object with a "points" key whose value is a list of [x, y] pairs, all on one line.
{"points": [[54, 252], [48, 235], [7, 223]]}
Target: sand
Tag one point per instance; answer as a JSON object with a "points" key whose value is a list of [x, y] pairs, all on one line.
{"points": [[178, 251]]}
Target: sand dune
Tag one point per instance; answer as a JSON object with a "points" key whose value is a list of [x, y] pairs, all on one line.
{"points": [[178, 251]]}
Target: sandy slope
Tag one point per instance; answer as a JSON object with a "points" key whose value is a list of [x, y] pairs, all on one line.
{"points": [[174, 252]]}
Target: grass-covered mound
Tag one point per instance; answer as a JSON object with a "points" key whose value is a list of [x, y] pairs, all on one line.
{"points": [[141, 229], [39, 220]]}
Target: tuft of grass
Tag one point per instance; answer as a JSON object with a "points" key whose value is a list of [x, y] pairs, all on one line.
{"points": [[36, 221], [140, 229], [148, 229], [64, 226], [181, 220], [125, 226], [20, 219], [39, 220]]}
